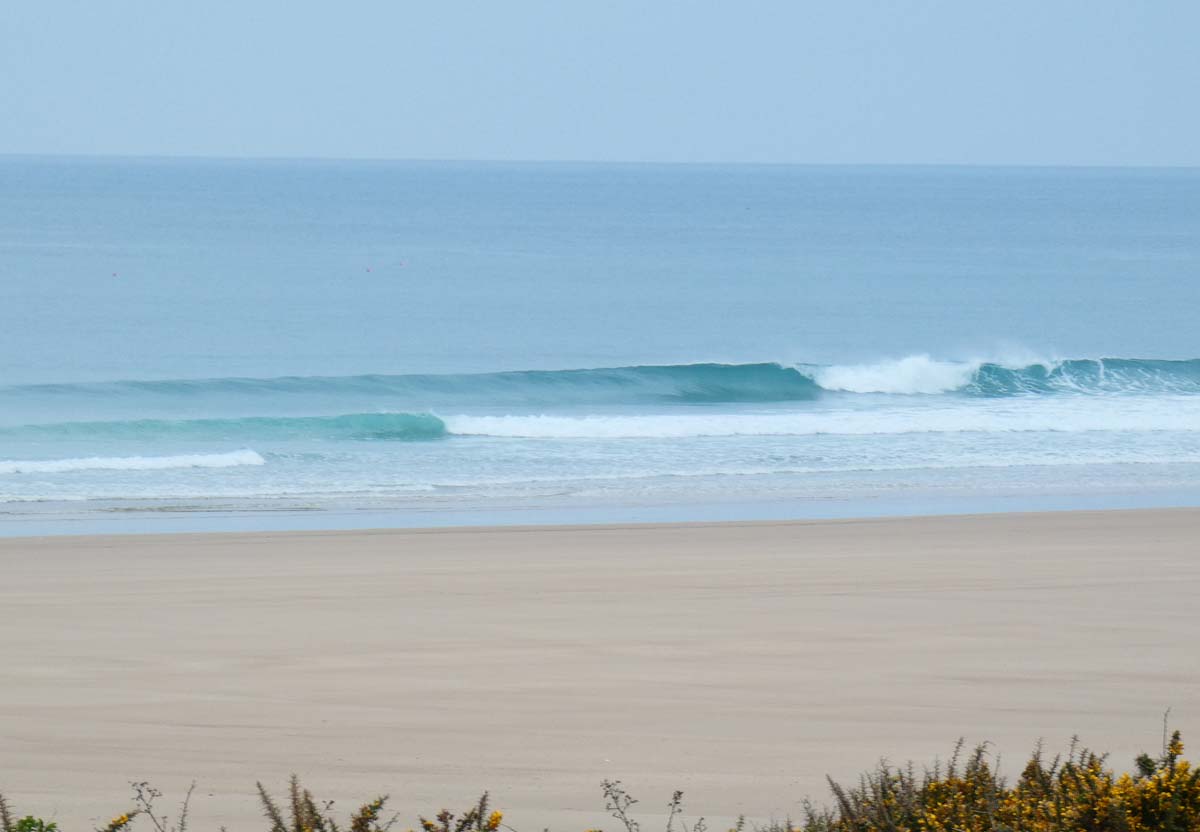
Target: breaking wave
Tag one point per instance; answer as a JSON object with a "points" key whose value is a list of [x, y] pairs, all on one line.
{"points": [[920, 374], [681, 383]]}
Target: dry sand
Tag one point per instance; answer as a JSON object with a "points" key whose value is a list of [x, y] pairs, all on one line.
{"points": [[738, 662]]}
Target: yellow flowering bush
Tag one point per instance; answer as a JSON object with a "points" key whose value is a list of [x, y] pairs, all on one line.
{"points": [[1076, 793]]}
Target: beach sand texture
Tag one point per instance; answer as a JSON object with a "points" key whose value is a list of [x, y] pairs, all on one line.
{"points": [[738, 662]]}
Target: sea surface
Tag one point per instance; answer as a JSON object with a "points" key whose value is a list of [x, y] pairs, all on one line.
{"points": [[223, 344]]}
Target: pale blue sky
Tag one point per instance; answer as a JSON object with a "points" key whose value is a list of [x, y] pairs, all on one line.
{"points": [[1015, 82]]}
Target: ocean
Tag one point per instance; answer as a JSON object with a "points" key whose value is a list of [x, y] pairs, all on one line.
{"points": [[211, 344]]}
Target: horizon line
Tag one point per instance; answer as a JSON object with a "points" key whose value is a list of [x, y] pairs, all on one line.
{"points": [[588, 162]]}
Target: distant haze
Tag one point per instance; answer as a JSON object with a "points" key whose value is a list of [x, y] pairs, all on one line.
{"points": [[1026, 82]]}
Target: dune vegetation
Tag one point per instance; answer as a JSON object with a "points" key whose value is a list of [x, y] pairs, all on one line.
{"points": [[1077, 791]]}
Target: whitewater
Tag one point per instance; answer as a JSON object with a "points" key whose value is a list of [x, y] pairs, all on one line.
{"points": [[505, 343]]}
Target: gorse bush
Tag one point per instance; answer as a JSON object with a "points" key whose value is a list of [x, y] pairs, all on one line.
{"points": [[1078, 792], [1075, 792]]}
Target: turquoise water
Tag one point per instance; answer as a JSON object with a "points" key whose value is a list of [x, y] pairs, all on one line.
{"points": [[218, 338]]}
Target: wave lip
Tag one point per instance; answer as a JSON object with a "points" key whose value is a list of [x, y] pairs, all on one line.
{"points": [[232, 459], [697, 383]]}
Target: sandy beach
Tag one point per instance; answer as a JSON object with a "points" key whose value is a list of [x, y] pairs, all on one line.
{"points": [[738, 662]]}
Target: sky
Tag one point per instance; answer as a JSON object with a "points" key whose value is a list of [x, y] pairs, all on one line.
{"points": [[1020, 82]]}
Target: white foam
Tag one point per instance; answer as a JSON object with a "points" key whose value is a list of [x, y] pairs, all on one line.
{"points": [[130, 463], [1135, 415], [911, 374]]}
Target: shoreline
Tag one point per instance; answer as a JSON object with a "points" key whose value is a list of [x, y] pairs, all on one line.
{"points": [[739, 662], [632, 525], [203, 520]]}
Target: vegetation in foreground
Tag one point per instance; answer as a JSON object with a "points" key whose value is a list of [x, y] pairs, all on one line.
{"points": [[1076, 792]]}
